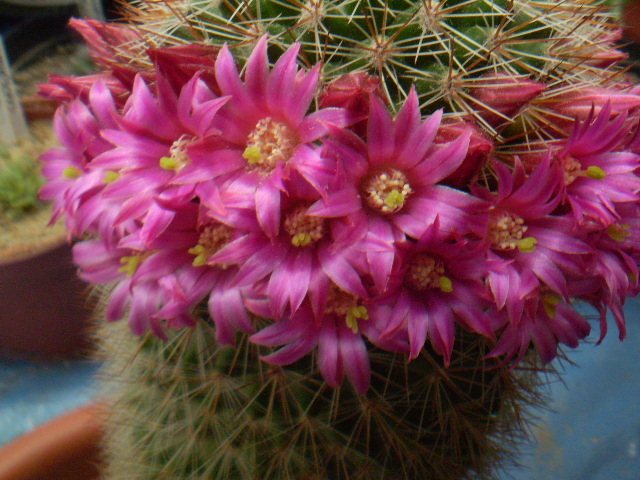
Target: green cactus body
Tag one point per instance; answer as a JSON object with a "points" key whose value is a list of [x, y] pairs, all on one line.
{"points": [[442, 47], [189, 408]]}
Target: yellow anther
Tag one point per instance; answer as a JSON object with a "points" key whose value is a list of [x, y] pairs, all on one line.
{"points": [[446, 285], [169, 163], [72, 172], [395, 200], [200, 252], [301, 239], [619, 232], [354, 314], [110, 176], [527, 244], [550, 302], [596, 173], [252, 155], [130, 264]]}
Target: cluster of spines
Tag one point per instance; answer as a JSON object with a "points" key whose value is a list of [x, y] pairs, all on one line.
{"points": [[189, 408], [446, 48]]}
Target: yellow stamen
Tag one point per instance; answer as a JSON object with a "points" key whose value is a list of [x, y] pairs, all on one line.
{"points": [[72, 172], [596, 173], [269, 143], [110, 176], [301, 239], [619, 232], [304, 229], [446, 285], [130, 264], [252, 155], [387, 191], [354, 314], [212, 239], [201, 255], [395, 200], [169, 163], [550, 302], [527, 244]]}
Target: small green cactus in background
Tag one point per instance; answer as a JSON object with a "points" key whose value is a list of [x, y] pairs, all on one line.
{"points": [[20, 181], [191, 409]]}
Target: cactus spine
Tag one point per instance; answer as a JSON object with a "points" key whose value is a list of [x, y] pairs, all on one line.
{"points": [[446, 48], [189, 408]]}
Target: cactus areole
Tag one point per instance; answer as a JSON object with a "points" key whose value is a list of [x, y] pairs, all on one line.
{"points": [[345, 234]]}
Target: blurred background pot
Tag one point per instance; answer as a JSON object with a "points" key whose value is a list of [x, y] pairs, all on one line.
{"points": [[66, 448], [44, 311]]}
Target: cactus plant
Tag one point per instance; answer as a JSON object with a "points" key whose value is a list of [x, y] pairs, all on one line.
{"points": [[191, 408], [20, 181], [411, 196]]}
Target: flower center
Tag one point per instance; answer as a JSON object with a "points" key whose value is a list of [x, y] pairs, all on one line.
{"points": [[427, 272], [130, 263], [506, 231], [304, 229], [270, 142], [347, 306], [573, 169], [178, 158], [387, 191], [212, 239]]}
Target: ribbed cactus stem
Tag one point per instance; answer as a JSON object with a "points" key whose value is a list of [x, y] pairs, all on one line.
{"points": [[192, 409]]}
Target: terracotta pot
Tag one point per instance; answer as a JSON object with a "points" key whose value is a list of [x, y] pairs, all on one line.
{"points": [[66, 448], [631, 20], [44, 311]]}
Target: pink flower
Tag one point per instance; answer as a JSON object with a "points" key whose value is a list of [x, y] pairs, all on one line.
{"points": [[529, 247], [390, 182], [267, 130], [596, 175], [73, 179], [547, 320], [338, 338], [157, 136], [439, 286]]}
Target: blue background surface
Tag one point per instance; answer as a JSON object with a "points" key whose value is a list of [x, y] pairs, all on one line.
{"points": [[591, 433]]}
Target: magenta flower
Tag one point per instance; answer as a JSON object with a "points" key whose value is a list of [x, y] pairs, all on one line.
{"points": [[267, 130], [439, 286], [299, 262], [157, 136], [390, 184], [529, 247], [338, 338], [546, 321], [596, 176], [73, 179]]}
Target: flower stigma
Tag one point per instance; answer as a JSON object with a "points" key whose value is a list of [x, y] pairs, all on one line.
{"points": [[573, 169], [304, 229], [130, 263], [427, 272], [269, 143], [345, 305], [212, 239], [550, 302], [619, 232], [110, 176], [178, 158], [72, 172], [387, 191], [506, 231]]}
